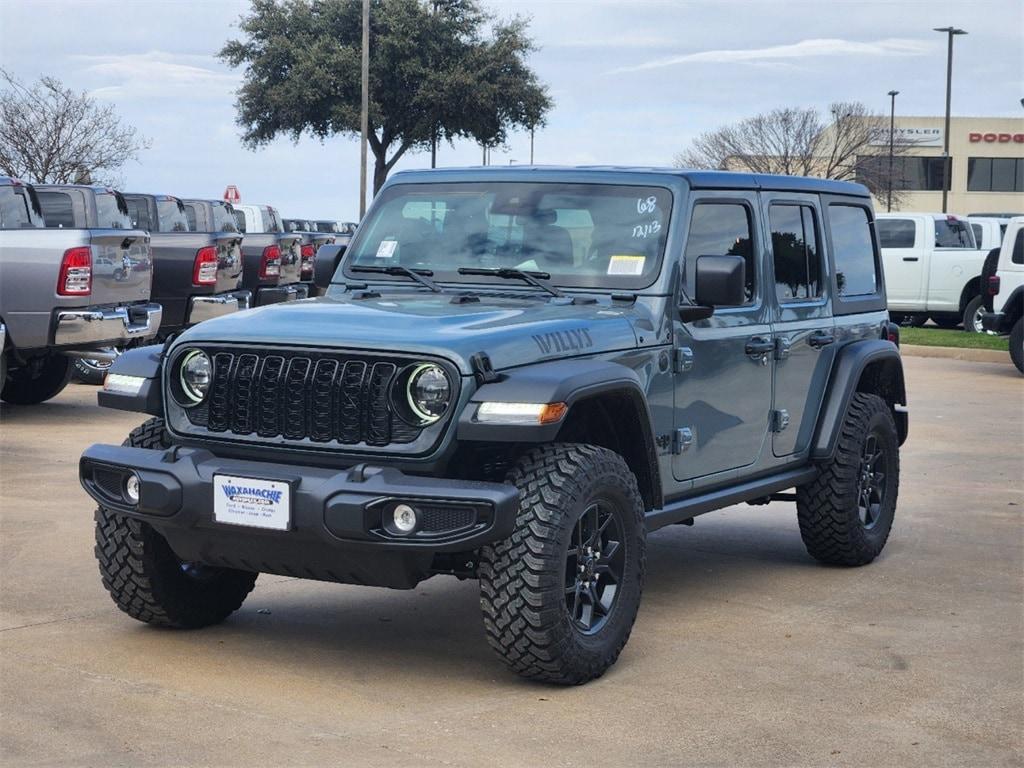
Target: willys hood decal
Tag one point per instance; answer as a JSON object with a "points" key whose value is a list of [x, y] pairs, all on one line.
{"points": [[511, 330]]}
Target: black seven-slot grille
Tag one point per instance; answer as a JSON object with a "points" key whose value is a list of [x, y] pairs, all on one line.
{"points": [[298, 396]]}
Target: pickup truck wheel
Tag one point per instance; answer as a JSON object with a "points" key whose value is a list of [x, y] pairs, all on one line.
{"points": [[147, 580], [846, 513], [560, 595], [92, 371], [1017, 344], [37, 381], [972, 315]]}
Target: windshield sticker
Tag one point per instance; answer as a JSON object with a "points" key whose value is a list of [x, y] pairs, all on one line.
{"points": [[649, 205], [386, 249], [648, 229], [622, 264]]}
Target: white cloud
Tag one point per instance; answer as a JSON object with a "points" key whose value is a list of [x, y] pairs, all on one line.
{"points": [[801, 50], [155, 72]]}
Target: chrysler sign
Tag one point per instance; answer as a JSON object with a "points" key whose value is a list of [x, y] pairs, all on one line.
{"points": [[909, 137]]}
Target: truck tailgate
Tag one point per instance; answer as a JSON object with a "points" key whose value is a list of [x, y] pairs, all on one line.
{"points": [[291, 257], [122, 266], [229, 260]]}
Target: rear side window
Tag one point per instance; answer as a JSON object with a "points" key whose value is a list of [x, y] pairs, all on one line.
{"points": [[856, 272], [138, 212], [111, 211], [58, 212], [14, 209], [171, 215], [953, 233], [190, 217], [978, 234], [896, 233], [271, 220], [795, 253], [239, 220], [1017, 257], [224, 219], [722, 229]]}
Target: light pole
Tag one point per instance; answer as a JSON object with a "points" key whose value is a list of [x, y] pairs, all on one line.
{"points": [[892, 135], [946, 164], [364, 117]]}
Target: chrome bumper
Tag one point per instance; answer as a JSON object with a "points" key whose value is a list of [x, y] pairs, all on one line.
{"points": [[208, 307], [107, 326]]}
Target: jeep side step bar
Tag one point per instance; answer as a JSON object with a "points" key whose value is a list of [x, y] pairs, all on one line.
{"points": [[680, 509]]}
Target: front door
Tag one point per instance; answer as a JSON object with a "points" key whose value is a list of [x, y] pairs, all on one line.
{"points": [[724, 363], [802, 321]]}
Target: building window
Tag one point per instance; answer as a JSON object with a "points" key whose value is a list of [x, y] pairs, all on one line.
{"points": [[795, 252], [913, 174], [995, 174]]}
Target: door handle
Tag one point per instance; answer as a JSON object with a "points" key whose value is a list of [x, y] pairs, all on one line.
{"points": [[910, 258], [759, 346], [820, 339]]}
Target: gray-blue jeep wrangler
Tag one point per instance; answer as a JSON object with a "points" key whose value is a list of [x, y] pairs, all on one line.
{"points": [[516, 375]]}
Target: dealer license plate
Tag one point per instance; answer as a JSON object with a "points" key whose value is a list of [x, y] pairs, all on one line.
{"points": [[252, 502]]}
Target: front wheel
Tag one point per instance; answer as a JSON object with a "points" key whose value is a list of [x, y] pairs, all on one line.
{"points": [[560, 594], [846, 513]]}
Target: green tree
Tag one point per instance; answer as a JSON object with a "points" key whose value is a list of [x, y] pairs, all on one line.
{"points": [[433, 74]]}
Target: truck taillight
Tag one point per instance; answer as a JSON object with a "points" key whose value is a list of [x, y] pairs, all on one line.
{"points": [[270, 262], [308, 253], [75, 272], [993, 285], [204, 270]]}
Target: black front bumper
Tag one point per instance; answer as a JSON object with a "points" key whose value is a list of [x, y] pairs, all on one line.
{"points": [[996, 322], [338, 520]]}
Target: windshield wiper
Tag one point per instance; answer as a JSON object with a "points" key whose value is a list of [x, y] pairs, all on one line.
{"points": [[509, 273], [421, 276]]}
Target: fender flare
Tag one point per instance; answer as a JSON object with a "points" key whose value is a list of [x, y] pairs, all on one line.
{"points": [[850, 364], [144, 363]]}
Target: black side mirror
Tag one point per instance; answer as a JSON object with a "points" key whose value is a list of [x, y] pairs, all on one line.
{"points": [[721, 281], [325, 264]]}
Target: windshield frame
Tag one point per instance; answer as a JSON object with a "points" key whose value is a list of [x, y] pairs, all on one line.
{"points": [[588, 282]]}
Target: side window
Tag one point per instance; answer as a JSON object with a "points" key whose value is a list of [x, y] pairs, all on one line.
{"points": [[795, 252], [239, 220], [13, 209], [856, 271], [978, 233], [190, 214], [953, 233], [722, 229], [1017, 256], [138, 211], [896, 233], [57, 209]]}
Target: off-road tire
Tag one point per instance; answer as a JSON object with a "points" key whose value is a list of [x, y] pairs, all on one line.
{"points": [[827, 507], [1017, 344], [28, 386], [972, 319], [523, 578], [147, 580]]}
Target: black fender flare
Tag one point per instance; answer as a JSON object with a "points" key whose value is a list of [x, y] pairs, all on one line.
{"points": [[847, 371], [325, 263], [144, 363]]}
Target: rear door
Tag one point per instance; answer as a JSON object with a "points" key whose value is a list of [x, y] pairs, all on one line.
{"points": [[905, 249], [802, 323], [724, 372]]}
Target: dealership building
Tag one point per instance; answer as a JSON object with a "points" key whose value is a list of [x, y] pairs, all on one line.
{"points": [[987, 164]]}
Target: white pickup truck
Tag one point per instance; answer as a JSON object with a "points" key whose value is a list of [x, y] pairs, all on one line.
{"points": [[932, 269], [1006, 289]]}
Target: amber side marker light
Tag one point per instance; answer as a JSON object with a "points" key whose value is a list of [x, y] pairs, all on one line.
{"points": [[521, 413]]}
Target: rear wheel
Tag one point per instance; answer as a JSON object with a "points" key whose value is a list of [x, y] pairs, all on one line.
{"points": [[560, 595], [846, 513], [972, 315], [90, 371], [1017, 344], [147, 580], [37, 381]]}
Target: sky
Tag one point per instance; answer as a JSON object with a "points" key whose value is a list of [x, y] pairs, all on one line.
{"points": [[633, 82]]}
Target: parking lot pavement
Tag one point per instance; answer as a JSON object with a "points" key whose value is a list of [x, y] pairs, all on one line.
{"points": [[745, 651]]}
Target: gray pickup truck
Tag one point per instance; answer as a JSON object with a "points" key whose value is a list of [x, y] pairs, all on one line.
{"points": [[273, 257], [312, 240], [69, 290]]}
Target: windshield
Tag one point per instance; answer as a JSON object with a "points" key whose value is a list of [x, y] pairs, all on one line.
{"points": [[112, 211], [171, 215], [953, 233], [585, 235]]}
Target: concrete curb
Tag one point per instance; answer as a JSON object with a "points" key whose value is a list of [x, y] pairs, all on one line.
{"points": [[957, 353]]}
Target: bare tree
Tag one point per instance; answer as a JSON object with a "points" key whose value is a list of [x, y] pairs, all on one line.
{"points": [[853, 146], [52, 134]]}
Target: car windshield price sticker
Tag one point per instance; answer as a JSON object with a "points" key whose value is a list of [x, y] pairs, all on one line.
{"points": [[386, 249], [256, 503], [622, 264]]}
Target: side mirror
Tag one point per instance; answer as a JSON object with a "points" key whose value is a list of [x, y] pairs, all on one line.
{"points": [[721, 281], [325, 264]]}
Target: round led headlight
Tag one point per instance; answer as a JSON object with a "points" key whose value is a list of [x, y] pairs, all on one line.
{"points": [[428, 392], [194, 374]]}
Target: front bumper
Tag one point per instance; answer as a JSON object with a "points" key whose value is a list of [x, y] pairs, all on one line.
{"points": [[996, 322], [337, 519], [106, 327], [202, 308], [277, 294]]}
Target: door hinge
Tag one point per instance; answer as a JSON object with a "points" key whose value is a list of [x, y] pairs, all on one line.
{"points": [[682, 358], [782, 346], [780, 420], [682, 439]]}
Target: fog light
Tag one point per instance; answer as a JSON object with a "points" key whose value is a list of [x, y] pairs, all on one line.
{"points": [[405, 518], [131, 488]]}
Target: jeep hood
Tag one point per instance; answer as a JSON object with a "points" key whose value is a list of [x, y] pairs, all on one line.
{"points": [[512, 331]]}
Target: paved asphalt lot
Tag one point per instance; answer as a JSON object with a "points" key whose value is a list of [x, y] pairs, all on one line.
{"points": [[745, 651]]}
